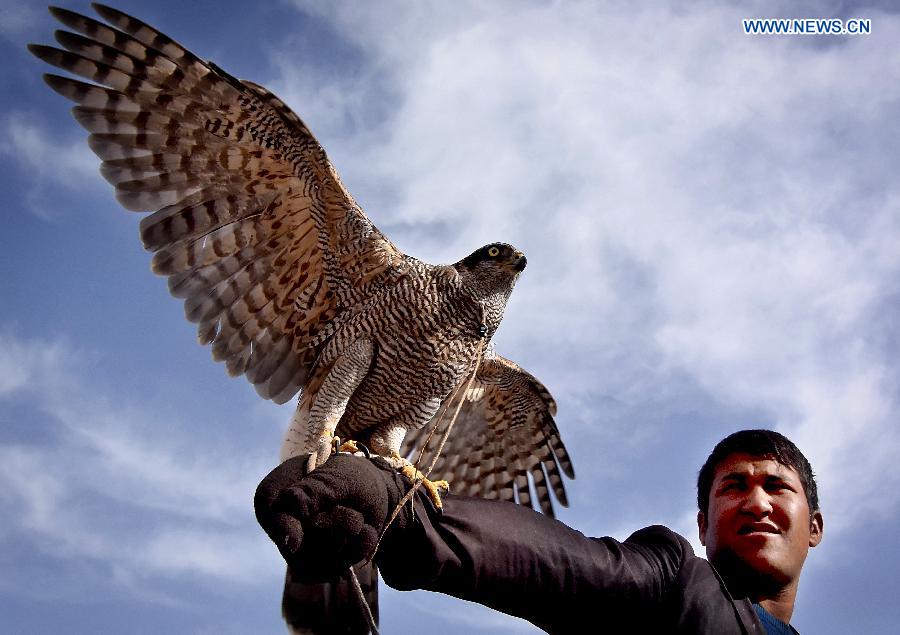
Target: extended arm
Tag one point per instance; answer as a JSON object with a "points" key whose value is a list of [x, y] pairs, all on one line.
{"points": [[495, 553]]}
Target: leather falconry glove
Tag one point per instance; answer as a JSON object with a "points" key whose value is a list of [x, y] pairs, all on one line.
{"points": [[330, 519]]}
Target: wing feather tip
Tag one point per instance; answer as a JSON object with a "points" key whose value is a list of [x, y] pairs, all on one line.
{"points": [[66, 16], [106, 11], [41, 51]]}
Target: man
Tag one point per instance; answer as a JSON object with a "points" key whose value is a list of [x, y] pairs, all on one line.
{"points": [[758, 516]]}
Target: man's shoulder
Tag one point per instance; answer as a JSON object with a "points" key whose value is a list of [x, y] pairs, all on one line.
{"points": [[696, 599], [663, 554], [660, 536]]}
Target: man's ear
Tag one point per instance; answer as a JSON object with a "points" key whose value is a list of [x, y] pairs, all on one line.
{"points": [[701, 526], [816, 528]]}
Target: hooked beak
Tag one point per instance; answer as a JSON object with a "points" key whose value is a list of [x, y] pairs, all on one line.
{"points": [[520, 262]]}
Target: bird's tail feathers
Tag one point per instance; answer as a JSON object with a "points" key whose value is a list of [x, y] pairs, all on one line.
{"points": [[331, 608]]}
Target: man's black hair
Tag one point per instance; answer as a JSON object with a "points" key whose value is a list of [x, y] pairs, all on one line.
{"points": [[761, 443]]}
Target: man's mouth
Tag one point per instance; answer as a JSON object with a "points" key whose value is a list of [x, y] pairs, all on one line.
{"points": [[758, 528]]}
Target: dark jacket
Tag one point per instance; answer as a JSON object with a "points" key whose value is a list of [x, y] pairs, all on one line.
{"points": [[525, 564], [495, 553]]}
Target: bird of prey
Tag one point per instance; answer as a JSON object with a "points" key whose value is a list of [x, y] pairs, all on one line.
{"points": [[288, 280]]}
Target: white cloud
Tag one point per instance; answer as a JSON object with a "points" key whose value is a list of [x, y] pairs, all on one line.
{"points": [[23, 363], [18, 17], [71, 163], [49, 161], [709, 203], [109, 488], [463, 615], [27, 484], [200, 552]]}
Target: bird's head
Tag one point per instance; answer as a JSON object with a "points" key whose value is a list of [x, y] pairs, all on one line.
{"points": [[494, 257], [492, 269]]}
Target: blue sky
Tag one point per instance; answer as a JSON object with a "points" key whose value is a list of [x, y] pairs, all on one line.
{"points": [[712, 223]]}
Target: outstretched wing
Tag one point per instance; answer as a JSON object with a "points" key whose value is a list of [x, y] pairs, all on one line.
{"points": [[250, 221], [504, 434]]}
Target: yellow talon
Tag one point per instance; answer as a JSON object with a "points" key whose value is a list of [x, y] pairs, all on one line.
{"points": [[349, 446], [434, 488]]}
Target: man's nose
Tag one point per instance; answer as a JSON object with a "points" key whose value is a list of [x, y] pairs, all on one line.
{"points": [[757, 502]]}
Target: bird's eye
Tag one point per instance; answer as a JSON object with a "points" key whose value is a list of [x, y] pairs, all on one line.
{"points": [[493, 252]]}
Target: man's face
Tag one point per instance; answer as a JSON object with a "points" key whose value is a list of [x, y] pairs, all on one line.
{"points": [[758, 516]]}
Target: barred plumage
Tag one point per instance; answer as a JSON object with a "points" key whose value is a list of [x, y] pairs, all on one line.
{"points": [[504, 435], [287, 279]]}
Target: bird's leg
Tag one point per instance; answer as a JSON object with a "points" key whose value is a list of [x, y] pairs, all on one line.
{"points": [[387, 439], [322, 450], [433, 488], [330, 401]]}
